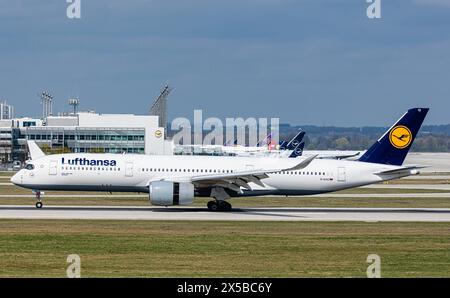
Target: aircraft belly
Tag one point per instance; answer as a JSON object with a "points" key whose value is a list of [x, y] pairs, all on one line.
{"points": [[290, 183]]}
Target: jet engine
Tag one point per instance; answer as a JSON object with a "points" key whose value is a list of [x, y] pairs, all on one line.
{"points": [[167, 193]]}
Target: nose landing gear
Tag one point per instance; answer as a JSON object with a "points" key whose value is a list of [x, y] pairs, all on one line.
{"points": [[38, 195]]}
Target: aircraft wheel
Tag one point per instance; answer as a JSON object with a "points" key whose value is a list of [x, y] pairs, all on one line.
{"points": [[39, 205], [224, 206], [213, 206]]}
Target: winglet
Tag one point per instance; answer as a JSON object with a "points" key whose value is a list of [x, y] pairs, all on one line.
{"points": [[303, 164], [35, 151]]}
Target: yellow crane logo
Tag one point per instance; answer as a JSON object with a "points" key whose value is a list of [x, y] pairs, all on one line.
{"points": [[400, 137]]}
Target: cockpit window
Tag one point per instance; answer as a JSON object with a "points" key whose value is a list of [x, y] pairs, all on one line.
{"points": [[29, 166]]}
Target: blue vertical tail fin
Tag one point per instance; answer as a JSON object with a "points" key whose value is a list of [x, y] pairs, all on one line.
{"points": [[298, 151], [297, 139], [393, 146]]}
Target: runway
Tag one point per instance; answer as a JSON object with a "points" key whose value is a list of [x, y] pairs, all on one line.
{"points": [[326, 195], [238, 214]]}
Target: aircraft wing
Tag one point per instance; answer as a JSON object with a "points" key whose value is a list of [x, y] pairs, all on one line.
{"points": [[237, 179]]}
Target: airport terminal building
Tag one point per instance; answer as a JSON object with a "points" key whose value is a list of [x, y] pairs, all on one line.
{"points": [[83, 132]]}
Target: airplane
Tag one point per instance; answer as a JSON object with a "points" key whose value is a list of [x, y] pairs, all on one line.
{"points": [[264, 146], [176, 179]]}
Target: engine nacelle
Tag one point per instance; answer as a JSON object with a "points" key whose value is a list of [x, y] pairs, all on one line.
{"points": [[167, 193]]}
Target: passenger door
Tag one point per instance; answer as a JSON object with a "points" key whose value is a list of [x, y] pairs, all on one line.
{"points": [[342, 176], [53, 167], [129, 169]]}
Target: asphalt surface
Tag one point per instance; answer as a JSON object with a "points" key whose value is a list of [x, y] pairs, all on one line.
{"points": [[238, 214]]}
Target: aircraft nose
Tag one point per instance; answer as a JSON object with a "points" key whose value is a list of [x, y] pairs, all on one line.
{"points": [[16, 178]]}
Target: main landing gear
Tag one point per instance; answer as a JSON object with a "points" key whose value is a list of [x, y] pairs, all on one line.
{"points": [[38, 195], [219, 206]]}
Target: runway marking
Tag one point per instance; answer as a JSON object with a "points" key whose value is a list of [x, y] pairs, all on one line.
{"points": [[238, 214]]}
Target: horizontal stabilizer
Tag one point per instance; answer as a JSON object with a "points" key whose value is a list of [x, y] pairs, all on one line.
{"points": [[400, 170]]}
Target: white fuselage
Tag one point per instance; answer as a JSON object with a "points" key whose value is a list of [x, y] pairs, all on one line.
{"points": [[132, 173]]}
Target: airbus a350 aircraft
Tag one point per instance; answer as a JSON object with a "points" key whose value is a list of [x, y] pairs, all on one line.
{"points": [[176, 180]]}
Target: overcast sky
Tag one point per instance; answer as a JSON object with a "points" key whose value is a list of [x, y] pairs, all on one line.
{"points": [[305, 61]]}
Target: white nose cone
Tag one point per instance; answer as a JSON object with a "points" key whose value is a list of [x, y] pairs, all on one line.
{"points": [[16, 179]]}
